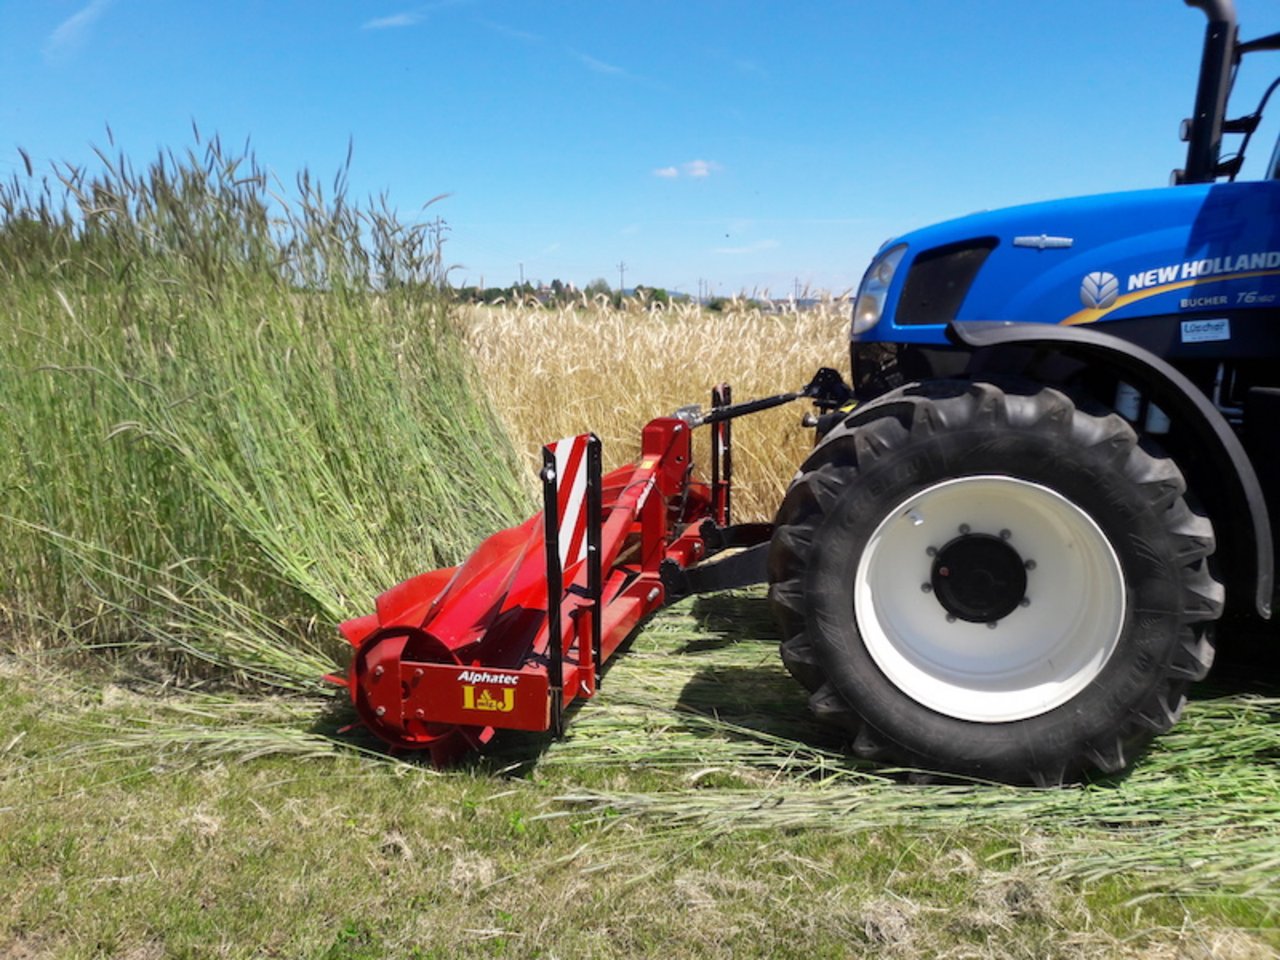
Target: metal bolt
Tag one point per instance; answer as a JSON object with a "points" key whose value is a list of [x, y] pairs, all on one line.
{"points": [[419, 713], [1030, 564], [378, 671], [653, 595], [927, 587], [944, 571], [964, 528], [380, 711], [1005, 534], [417, 672], [1024, 602]]}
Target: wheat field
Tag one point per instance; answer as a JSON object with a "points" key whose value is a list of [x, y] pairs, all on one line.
{"points": [[556, 371]]}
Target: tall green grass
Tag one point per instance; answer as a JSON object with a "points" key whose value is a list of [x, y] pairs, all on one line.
{"points": [[230, 413]]}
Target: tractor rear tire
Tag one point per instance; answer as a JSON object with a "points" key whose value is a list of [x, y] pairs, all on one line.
{"points": [[992, 584]]}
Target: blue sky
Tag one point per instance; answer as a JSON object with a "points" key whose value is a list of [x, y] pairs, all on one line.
{"points": [[750, 145]]}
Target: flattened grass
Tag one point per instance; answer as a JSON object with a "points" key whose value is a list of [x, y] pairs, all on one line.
{"points": [[692, 809]]}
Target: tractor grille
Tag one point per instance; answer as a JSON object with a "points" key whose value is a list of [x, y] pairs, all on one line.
{"points": [[939, 280]]}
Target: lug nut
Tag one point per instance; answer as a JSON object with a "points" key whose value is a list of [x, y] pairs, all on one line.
{"points": [[1005, 534], [964, 528], [926, 587], [1030, 564], [991, 624], [1024, 602], [931, 551], [951, 618]]}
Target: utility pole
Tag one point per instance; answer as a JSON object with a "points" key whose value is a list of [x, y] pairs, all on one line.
{"points": [[622, 276], [522, 273]]}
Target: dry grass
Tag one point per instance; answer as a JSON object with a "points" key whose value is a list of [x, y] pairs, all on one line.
{"points": [[557, 372]]}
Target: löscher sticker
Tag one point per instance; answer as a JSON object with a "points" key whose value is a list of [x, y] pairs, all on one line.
{"points": [[1203, 331]]}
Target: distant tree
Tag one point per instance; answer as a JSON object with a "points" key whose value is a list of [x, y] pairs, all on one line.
{"points": [[651, 296], [597, 287]]}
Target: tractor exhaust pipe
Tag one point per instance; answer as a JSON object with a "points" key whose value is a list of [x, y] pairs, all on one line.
{"points": [[1203, 132]]}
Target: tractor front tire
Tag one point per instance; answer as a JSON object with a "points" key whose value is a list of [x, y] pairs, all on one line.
{"points": [[992, 584]]}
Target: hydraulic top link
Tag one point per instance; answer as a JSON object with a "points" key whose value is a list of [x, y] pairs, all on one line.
{"points": [[827, 390]]}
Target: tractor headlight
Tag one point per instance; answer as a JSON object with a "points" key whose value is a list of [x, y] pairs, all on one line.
{"points": [[869, 304]]}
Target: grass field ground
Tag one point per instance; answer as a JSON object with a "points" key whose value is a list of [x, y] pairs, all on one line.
{"points": [[219, 437], [692, 810]]}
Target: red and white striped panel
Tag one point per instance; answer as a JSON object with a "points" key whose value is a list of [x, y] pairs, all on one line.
{"points": [[571, 496]]}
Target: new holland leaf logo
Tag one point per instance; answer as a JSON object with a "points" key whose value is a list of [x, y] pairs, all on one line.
{"points": [[1099, 290], [485, 701]]}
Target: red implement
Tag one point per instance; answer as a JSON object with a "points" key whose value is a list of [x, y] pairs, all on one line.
{"points": [[521, 629]]}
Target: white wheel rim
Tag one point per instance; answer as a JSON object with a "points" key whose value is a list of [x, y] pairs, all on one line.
{"points": [[1034, 659]]}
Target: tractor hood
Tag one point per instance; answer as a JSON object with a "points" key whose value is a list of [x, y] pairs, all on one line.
{"points": [[1192, 252]]}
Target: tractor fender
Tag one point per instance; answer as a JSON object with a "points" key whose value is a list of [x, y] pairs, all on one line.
{"points": [[1177, 396]]}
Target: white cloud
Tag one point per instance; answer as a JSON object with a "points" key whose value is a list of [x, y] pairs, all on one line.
{"points": [[406, 19], [70, 35], [510, 32], [697, 169], [410, 18], [599, 66], [758, 247]]}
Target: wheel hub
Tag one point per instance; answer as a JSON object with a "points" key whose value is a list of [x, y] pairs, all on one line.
{"points": [[1026, 615], [979, 578]]}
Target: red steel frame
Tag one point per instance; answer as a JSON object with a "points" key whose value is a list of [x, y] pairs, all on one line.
{"points": [[508, 639]]}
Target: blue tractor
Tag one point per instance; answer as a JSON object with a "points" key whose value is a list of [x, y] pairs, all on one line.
{"points": [[1008, 559]]}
